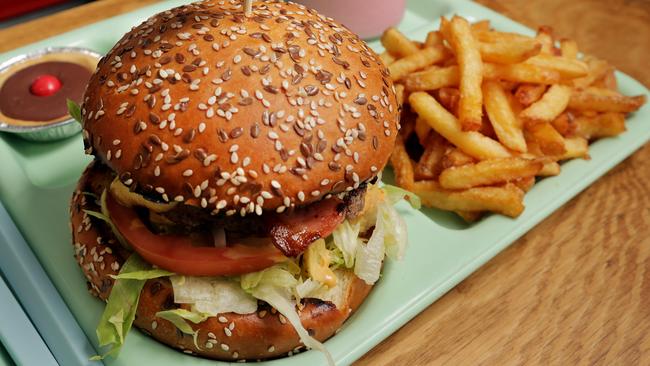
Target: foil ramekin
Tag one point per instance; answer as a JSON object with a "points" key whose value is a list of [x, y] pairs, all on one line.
{"points": [[50, 131]]}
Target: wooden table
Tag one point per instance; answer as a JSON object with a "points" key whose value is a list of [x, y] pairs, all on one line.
{"points": [[576, 288]]}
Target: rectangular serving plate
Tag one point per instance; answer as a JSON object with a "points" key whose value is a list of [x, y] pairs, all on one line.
{"points": [[36, 181]]}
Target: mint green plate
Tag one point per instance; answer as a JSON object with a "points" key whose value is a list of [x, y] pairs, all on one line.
{"points": [[36, 181], [5, 359]]}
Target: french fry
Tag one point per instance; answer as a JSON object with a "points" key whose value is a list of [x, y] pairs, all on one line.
{"points": [[440, 77], [608, 81], [602, 125], [569, 48], [598, 90], [470, 216], [576, 147], [527, 94], [545, 38], [596, 71], [551, 168], [387, 58], [444, 28], [449, 98], [503, 118], [543, 103], [483, 35], [564, 124], [470, 68], [550, 141], [525, 184], [398, 44], [552, 103], [509, 52], [489, 172], [434, 39], [506, 200], [402, 164], [521, 73], [471, 142], [430, 163], [422, 130], [567, 67], [593, 101], [481, 26], [453, 156], [416, 61], [432, 78]]}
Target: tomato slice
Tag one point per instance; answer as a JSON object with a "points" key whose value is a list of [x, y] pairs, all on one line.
{"points": [[181, 255]]}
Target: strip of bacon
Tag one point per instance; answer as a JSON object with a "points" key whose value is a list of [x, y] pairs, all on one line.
{"points": [[293, 232]]}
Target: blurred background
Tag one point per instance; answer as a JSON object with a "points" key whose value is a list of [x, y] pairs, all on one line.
{"points": [[14, 12]]}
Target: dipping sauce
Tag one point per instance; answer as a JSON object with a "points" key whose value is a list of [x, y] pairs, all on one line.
{"points": [[39, 92], [34, 89]]}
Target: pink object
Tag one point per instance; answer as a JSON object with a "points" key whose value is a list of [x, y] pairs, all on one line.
{"points": [[367, 18], [45, 85]]}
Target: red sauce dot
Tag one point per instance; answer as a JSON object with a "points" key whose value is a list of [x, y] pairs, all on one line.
{"points": [[45, 85]]}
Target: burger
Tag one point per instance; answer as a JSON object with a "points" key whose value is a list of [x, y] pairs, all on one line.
{"points": [[232, 209]]}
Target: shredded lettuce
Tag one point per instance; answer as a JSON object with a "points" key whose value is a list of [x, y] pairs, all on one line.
{"points": [[389, 236], [274, 285], [119, 313], [178, 317], [279, 275], [395, 231], [308, 288], [74, 110], [395, 194], [212, 295], [281, 299], [143, 275], [337, 295], [104, 216], [99, 215], [345, 238], [369, 257]]}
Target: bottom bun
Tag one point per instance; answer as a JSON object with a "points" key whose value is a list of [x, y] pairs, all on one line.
{"points": [[260, 335]]}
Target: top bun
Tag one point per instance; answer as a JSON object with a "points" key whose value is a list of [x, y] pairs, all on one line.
{"points": [[203, 105]]}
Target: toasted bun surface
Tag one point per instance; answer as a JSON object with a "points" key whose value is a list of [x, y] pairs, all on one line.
{"points": [[203, 105], [260, 335]]}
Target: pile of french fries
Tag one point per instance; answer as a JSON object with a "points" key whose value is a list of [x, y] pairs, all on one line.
{"points": [[486, 112]]}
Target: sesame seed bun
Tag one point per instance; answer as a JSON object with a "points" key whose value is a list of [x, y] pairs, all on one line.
{"points": [[260, 335], [203, 105]]}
